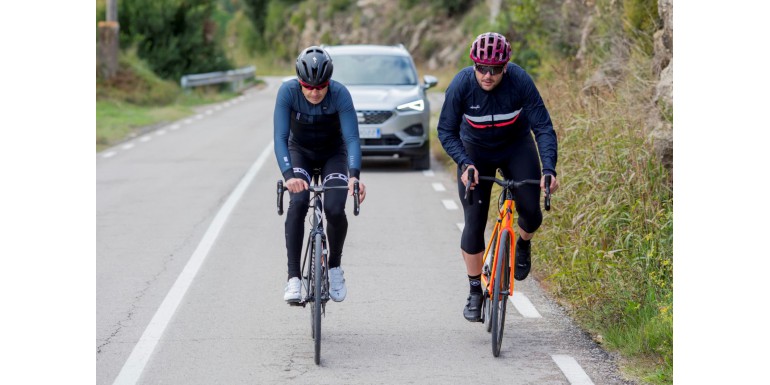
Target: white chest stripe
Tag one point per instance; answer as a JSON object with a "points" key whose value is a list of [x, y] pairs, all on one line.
{"points": [[489, 118]]}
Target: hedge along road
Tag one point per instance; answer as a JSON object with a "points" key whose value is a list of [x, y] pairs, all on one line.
{"points": [[191, 267]]}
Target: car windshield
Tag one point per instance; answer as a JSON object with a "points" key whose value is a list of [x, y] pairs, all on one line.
{"points": [[356, 70]]}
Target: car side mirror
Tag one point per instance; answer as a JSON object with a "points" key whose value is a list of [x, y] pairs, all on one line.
{"points": [[429, 81]]}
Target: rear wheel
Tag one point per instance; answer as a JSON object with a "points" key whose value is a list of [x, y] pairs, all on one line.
{"points": [[500, 291], [317, 293]]}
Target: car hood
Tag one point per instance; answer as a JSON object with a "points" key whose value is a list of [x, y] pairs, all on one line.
{"points": [[382, 98]]}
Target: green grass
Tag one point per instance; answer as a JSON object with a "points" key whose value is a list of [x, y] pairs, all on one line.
{"points": [[135, 99], [606, 248]]}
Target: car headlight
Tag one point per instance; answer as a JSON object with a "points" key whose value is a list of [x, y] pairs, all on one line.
{"points": [[417, 105]]}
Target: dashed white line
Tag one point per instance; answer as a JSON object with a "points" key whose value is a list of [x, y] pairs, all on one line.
{"points": [[109, 154], [198, 117], [209, 112], [449, 204], [572, 370], [439, 187], [127, 146], [428, 173], [174, 127], [160, 132], [188, 121], [141, 353], [145, 138], [524, 306]]}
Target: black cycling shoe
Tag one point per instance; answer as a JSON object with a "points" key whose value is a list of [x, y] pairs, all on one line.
{"points": [[523, 260], [472, 311]]}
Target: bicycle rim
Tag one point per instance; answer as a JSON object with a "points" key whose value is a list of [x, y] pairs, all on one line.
{"points": [[500, 296], [317, 250]]}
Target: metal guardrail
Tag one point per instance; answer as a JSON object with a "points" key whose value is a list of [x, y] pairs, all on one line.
{"points": [[235, 77]]}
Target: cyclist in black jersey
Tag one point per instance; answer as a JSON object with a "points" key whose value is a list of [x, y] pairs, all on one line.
{"points": [[315, 127], [487, 122]]}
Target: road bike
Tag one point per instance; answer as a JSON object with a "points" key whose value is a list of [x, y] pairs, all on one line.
{"points": [[498, 265], [315, 274]]}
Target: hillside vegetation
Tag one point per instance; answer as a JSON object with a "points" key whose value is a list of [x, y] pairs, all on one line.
{"points": [[605, 251]]}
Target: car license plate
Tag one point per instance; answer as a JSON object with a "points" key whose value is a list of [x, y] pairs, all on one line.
{"points": [[369, 133]]}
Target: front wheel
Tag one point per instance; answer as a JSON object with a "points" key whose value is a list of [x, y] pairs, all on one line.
{"points": [[500, 291], [317, 293]]}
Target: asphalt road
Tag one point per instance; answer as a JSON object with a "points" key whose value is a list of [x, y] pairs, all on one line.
{"points": [[191, 267]]}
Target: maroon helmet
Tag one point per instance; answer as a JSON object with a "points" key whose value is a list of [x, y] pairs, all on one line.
{"points": [[490, 48]]}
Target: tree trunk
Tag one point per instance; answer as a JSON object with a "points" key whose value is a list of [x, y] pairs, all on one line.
{"points": [[108, 48]]}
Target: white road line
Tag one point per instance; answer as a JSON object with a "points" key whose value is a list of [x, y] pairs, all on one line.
{"points": [[188, 121], [439, 187], [198, 117], [461, 226], [570, 367], [109, 154], [136, 362], [160, 132], [428, 173], [209, 112], [174, 127], [128, 146], [524, 306], [449, 204], [145, 138]]}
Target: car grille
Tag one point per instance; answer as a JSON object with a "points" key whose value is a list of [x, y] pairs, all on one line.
{"points": [[386, 140], [374, 117]]}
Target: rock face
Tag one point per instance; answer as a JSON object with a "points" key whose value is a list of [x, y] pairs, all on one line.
{"points": [[661, 121]]}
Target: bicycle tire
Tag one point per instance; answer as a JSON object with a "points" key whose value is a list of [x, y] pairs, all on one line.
{"points": [[500, 287], [318, 292], [487, 304]]}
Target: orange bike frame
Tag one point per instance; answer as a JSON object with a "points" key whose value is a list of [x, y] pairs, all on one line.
{"points": [[504, 222]]}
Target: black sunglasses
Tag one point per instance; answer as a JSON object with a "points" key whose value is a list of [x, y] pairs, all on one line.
{"points": [[494, 70]]}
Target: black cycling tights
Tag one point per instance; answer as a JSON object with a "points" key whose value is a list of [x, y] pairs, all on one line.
{"points": [[333, 204], [517, 161]]}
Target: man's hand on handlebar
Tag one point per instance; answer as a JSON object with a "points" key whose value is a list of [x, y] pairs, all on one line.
{"points": [[361, 189], [554, 183], [464, 176], [295, 185]]}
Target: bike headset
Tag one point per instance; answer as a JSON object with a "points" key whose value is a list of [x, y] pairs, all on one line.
{"points": [[314, 66], [490, 48]]}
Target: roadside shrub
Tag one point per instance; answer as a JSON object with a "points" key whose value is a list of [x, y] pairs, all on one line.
{"points": [[175, 37]]}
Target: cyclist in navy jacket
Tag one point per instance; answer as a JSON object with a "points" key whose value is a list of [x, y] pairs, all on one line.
{"points": [[487, 122], [315, 126]]}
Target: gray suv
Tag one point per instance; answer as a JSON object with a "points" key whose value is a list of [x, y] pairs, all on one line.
{"points": [[393, 110]]}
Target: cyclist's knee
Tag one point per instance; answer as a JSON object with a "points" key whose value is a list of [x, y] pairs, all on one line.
{"points": [[530, 221]]}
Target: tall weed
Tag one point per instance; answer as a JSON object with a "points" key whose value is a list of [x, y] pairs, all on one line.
{"points": [[606, 249]]}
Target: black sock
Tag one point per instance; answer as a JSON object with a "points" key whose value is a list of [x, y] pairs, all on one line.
{"points": [[523, 242], [475, 283]]}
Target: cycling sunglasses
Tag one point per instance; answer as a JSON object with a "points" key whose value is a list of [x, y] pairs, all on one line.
{"points": [[311, 88], [494, 70]]}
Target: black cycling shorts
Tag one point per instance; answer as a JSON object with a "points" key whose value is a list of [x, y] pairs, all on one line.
{"points": [[517, 161]]}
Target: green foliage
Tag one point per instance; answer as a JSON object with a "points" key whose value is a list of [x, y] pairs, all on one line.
{"points": [[641, 21], [175, 37], [136, 83], [336, 6], [607, 247]]}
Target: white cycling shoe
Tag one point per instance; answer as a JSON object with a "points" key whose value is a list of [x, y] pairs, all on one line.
{"points": [[337, 289], [292, 291]]}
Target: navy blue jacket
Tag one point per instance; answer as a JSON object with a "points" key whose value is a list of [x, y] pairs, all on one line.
{"points": [[292, 103], [491, 119]]}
